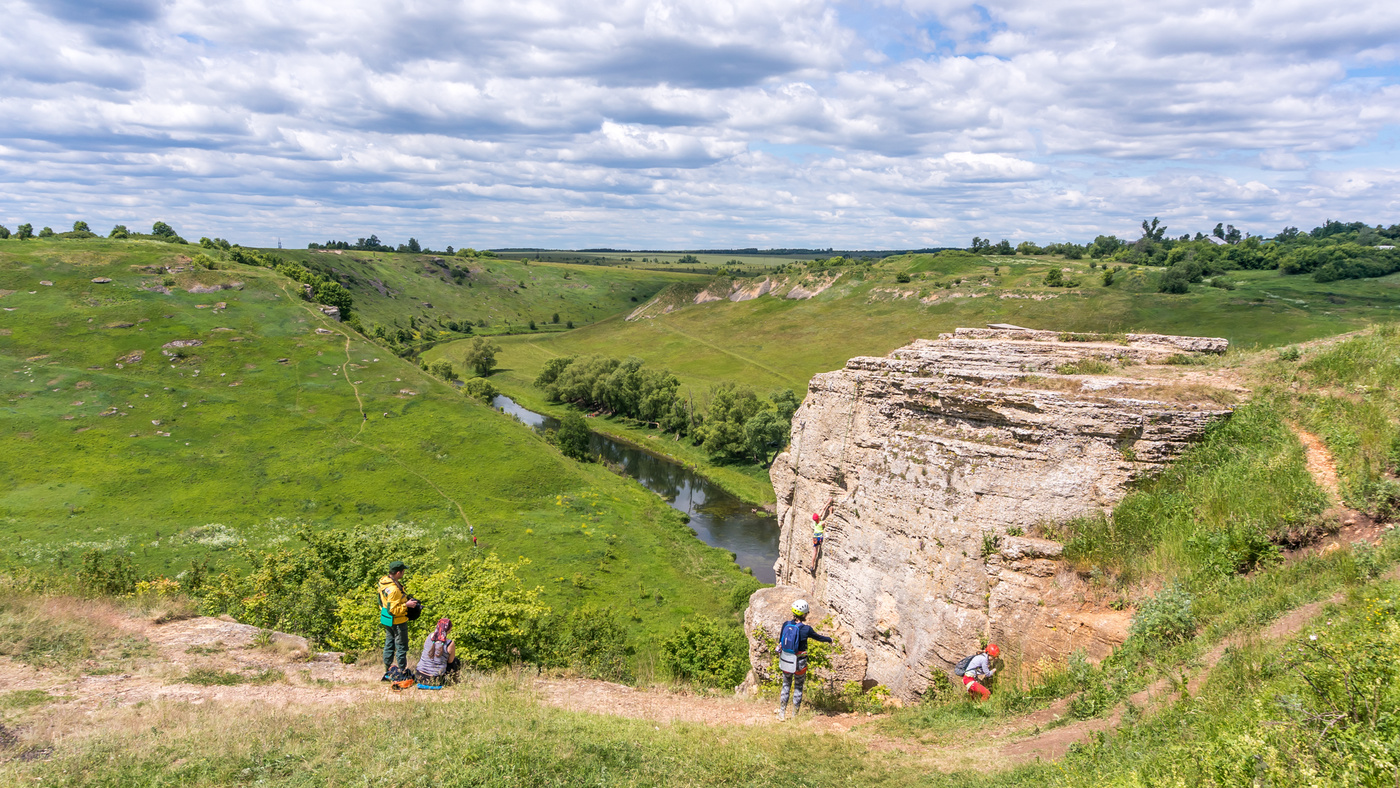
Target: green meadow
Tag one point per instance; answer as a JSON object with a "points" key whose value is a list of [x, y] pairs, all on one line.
{"points": [[112, 440]]}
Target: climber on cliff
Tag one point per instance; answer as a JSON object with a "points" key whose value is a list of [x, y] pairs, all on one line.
{"points": [[792, 657], [819, 531], [974, 668]]}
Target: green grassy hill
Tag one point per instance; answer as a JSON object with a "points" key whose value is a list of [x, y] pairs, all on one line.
{"points": [[112, 439], [507, 294]]}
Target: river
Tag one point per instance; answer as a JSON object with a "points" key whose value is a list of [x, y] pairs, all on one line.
{"points": [[718, 518]]}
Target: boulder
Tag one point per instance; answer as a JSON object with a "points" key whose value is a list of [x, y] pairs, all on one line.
{"points": [[768, 609]]}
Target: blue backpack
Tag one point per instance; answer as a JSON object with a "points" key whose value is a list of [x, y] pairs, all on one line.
{"points": [[787, 641]]}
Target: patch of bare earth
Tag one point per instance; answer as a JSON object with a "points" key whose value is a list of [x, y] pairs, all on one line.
{"points": [[163, 655]]}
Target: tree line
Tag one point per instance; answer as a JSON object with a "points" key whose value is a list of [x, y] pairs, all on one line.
{"points": [[1336, 250], [733, 424], [160, 231], [373, 244]]}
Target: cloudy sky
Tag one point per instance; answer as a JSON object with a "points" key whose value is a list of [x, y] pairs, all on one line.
{"points": [[767, 123]]}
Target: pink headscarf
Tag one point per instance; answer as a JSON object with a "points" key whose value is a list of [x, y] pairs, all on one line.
{"points": [[444, 625]]}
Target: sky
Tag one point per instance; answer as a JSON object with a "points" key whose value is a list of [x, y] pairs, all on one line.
{"points": [[690, 125]]}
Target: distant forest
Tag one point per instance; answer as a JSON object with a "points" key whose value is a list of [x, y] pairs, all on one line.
{"points": [[1336, 250]]}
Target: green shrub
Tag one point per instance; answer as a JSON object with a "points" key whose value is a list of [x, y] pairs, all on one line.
{"points": [[1086, 366], [590, 641], [707, 653], [1166, 619], [480, 388], [113, 575], [573, 436], [495, 620], [442, 369]]}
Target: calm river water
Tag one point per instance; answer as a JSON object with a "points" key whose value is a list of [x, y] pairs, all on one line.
{"points": [[718, 518]]}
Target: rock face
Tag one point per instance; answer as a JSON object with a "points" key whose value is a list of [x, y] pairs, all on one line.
{"points": [[940, 458]]}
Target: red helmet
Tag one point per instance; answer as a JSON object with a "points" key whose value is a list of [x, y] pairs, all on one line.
{"points": [[816, 518], [992, 650]]}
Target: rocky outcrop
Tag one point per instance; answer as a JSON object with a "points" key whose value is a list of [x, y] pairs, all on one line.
{"points": [[748, 292], [940, 459]]}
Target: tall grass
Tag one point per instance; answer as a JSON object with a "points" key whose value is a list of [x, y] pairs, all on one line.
{"points": [[1214, 512]]}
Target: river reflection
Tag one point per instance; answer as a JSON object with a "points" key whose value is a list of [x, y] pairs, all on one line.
{"points": [[718, 518]]}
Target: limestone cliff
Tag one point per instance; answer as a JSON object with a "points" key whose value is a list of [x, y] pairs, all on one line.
{"points": [[942, 459]]}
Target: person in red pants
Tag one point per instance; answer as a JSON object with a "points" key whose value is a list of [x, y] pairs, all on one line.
{"points": [[978, 668]]}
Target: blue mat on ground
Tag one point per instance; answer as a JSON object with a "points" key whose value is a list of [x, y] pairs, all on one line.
{"points": [[429, 686]]}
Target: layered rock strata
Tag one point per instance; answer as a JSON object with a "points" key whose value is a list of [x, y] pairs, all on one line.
{"points": [[940, 459]]}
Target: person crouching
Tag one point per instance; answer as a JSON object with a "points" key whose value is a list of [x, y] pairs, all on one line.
{"points": [[978, 668], [438, 662]]}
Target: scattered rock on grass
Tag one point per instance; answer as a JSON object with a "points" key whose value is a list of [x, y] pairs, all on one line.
{"points": [[101, 280]]}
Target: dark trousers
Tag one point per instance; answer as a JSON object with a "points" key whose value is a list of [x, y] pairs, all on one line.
{"points": [[396, 646]]}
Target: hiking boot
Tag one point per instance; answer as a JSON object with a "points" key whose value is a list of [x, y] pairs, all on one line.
{"points": [[782, 715]]}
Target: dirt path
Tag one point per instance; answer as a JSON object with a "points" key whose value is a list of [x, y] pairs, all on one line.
{"points": [[1320, 462], [1353, 526]]}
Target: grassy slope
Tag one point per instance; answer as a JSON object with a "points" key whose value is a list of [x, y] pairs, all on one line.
{"points": [[492, 293], [287, 442]]}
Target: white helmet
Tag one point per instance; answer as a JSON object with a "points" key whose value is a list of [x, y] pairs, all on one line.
{"points": [[800, 608]]}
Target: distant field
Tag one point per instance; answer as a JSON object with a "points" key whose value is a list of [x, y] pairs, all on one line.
{"points": [[667, 261], [282, 416]]}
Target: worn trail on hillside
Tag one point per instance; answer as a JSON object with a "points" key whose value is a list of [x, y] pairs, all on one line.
{"points": [[355, 439], [1353, 526]]}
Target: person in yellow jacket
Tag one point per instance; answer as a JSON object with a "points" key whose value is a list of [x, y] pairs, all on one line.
{"points": [[394, 603]]}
